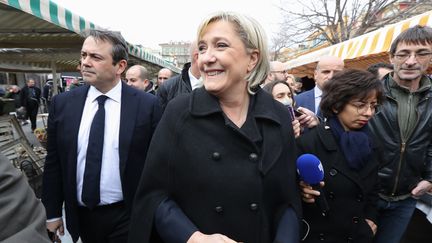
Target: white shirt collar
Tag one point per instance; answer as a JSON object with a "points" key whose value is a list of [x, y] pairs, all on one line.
{"points": [[114, 94], [317, 91], [195, 83]]}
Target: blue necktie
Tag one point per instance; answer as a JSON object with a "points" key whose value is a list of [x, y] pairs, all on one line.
{"points": [[92, 172]]}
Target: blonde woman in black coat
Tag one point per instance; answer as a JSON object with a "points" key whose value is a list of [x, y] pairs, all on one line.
{"points": [[221, 165], [349, 158]]}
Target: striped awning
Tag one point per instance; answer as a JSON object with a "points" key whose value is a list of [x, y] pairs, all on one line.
{"points": [[51, 12], [363, 50]]}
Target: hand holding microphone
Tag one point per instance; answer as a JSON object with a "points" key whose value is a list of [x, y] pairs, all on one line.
{"points": [[311, 172]]}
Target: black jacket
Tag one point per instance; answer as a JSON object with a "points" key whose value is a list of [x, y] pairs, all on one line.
{"points": [[224, 180], [26, 99], [351, 194], [179, 84], [405, 163]]}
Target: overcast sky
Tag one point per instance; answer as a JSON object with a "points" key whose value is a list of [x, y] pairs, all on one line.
{"points": [[159, 21]]}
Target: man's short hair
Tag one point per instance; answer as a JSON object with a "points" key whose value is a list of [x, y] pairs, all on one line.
{"points": [[415, 35], [119, 46], [375, 67]]}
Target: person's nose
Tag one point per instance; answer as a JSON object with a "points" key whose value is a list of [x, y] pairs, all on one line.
{"points": [[207, 56], [412, 60]]}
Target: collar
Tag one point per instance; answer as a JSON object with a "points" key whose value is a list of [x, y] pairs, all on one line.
{"points": [[317, 91], [114, 94], [195, 83], [261, 105], [425, 84]]}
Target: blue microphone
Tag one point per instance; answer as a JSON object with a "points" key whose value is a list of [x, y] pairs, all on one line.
{"points": [[311, 171]]}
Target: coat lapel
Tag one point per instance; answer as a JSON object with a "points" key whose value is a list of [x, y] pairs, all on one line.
{"points": [[128, 113], [73, 110]]}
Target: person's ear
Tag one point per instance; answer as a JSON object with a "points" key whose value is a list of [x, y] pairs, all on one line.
{"points": [[254, 57]]}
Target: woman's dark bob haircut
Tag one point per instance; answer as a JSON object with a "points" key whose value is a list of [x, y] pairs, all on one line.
{"points": [[348, 85]]}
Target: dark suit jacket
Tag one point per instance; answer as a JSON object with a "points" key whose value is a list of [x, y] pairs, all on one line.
{"points": [[140, 113], [306, 100], [351, 194], [25, 101]]}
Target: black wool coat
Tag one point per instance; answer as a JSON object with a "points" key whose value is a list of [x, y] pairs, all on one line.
{"points": [[352, 195], [224, 181]]}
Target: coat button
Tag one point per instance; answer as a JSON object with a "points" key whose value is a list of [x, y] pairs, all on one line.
{"points": [[355, 220], [253, 157], [253, 207], [331, 195], [349, 239], [321, 236], [333, 172], [216, 156], [359, 198], [219, 209]]}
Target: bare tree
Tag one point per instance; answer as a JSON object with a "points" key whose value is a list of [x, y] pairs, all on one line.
{"points": [[334, 21]]}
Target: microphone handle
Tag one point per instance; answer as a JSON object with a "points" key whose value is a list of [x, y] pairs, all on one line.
{"points": [[291, 111], [321, 200]]}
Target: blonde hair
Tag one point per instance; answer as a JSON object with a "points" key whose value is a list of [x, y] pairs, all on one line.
{"points": [[253, 37]]}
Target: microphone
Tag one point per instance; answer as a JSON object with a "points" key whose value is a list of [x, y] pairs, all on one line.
{"points": [[291, 111], [311, 171]]}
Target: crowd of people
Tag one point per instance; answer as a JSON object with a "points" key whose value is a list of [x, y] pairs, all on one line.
{"points": [[212, 154]]}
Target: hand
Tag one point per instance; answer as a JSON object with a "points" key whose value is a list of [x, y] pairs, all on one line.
{"points": [[296, 127], [308, 119], [421, 188], [372, 225], [57, 228], [308, 194], [199, 237]]}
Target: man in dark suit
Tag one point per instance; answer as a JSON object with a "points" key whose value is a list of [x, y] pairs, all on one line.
{"points": [[95, 158], [30, 96], [326, 67]]}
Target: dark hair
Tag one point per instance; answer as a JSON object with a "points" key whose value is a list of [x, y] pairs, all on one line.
{"points": [[415, 35], [346, 86], [119, 46], [374, 67], [270, 86]]}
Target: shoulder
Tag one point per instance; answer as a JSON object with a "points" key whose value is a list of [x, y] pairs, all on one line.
{"points": [[305, 94]]}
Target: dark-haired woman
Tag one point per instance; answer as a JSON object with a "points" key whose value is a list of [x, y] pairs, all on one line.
{"points": [[282, 92], [349, 158]]}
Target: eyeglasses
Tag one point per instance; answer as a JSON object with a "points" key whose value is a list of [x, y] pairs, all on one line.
{"points": [[362, 108], [420, 56], [281, 72]]}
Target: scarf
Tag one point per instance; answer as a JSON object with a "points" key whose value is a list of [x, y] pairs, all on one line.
{"points": [[355, 145]]}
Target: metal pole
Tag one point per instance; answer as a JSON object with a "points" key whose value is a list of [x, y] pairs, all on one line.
{"points": [[55, 81]]}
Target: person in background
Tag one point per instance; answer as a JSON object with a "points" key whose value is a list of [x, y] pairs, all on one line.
{"points": [[380, 69], [403, 127], [282, 92], [74, 84], [196, 188], [98, 135], [163, 75], [184, 83], [137, 76], [30, 97], [350, 160], [291, 80], [277, 72], [325, 69]]}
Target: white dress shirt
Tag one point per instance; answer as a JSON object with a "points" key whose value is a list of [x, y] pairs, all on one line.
{"points": [[110, 183], [195, 83], [318, 94]]}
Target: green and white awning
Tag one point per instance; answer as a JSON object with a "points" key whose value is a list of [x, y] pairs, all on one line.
{"points": [[53, 23]]}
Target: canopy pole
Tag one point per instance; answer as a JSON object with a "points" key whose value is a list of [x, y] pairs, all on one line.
{"points": [[54, 74]]}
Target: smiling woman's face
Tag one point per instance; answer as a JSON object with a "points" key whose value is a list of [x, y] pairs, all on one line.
{"points": [[223, 59]]}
